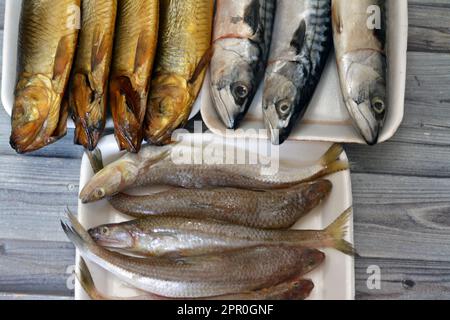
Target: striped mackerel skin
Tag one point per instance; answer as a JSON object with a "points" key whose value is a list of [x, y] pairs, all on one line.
{"points": [[301, 43], [242, 37]]}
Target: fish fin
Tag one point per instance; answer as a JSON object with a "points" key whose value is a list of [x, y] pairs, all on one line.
{"points": [[127, 113], [85, 279], [336, 18], [143, 51], [61, 129], [332, 154], [337, 232], [99, 48], [76, 226], [62, 57], [299, 37], [336, 166], [252, 15], [96, 159], [73, 236], [163, 155], [202, 65]]}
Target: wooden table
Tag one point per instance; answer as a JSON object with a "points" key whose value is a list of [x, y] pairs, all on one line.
{"points": [[401, 190]]}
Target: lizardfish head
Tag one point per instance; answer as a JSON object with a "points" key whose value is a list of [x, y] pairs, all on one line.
{"points": [[234, 80], [112, 236], [109, 181], [279, 109]]}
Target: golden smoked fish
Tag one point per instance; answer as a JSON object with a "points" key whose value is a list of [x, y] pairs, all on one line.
{"points": [[295, 289], [133, 57], [89, 80], [217, 274], [182, 58], [47, 42]]}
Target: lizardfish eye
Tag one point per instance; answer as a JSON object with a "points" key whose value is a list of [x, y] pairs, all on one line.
{"points": [[100, 192], [284, 107], [378, 105], [240, 90]]}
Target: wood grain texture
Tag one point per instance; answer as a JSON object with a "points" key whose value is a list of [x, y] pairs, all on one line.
{"points": [[36, 267], [401, 189]]}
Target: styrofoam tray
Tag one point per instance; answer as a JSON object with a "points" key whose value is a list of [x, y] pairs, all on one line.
{"points": [[333, 280], [327, 118], [9, 71]]}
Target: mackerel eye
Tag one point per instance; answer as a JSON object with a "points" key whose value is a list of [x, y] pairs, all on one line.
{"points": [[240, 90], [284, 107], [378, 106]]}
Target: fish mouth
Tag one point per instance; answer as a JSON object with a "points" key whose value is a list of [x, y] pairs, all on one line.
{"points": [[365, 121], [228, 111], [106, 242], [276, 135]]}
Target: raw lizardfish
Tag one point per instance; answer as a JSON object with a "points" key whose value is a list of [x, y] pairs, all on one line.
{"points": [[361, 57], [242, 37], [296, 289], [117, 176], [217, 274], [301, 43], [260, 209], [121, 173], [169, 236], [47, 41], [89, 80]]}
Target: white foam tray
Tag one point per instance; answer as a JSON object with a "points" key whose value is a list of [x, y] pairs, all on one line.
{"points": [[327, 118], [334, 280]]}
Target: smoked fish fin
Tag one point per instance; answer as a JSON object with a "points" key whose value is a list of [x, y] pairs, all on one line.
{"points": [[61, 129], [202, 65], [143, 51], [63, 60], [100, 48]]}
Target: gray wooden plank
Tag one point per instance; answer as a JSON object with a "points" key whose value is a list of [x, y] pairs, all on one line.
{"points": [[404, 279], [427, 105], [400, 158], [31, 297], [402, 226], [36, 267], [34, 193], [429, 23]]}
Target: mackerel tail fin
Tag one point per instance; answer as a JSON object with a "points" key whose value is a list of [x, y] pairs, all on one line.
{"points": [[85, 278], [337, 231]]}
